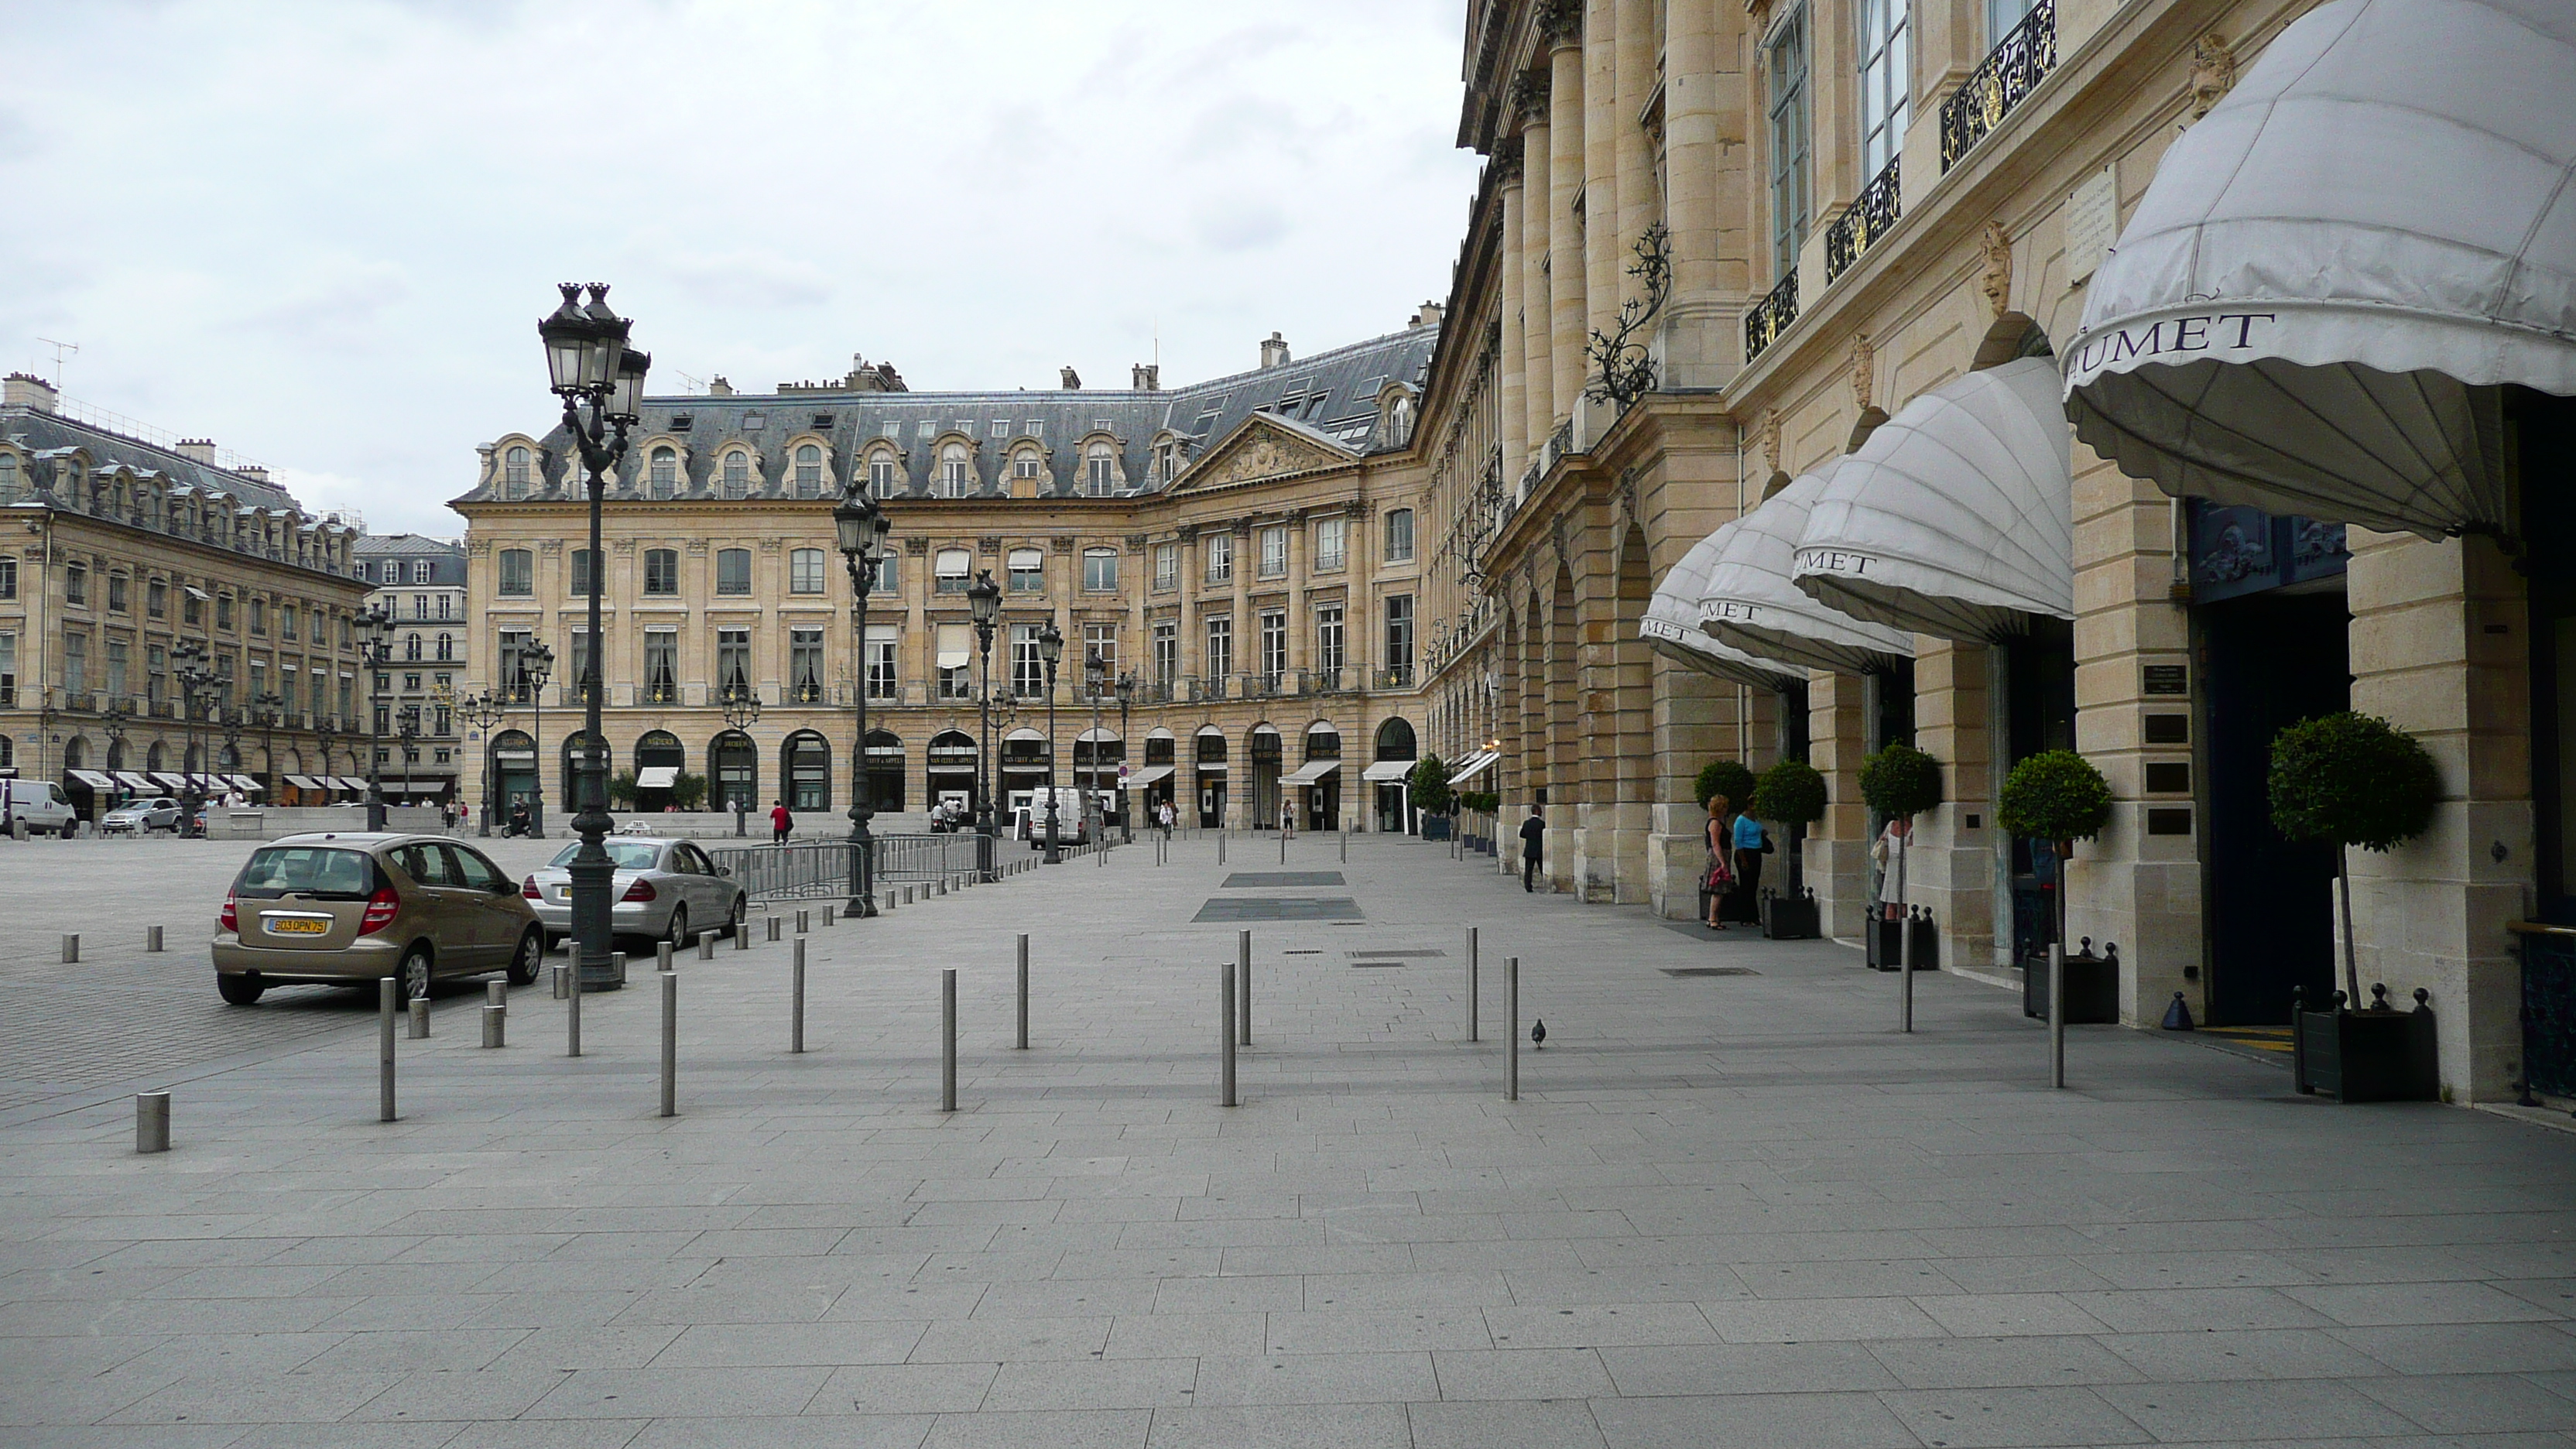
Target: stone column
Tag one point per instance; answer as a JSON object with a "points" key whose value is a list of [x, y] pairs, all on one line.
{"points": [[1699, 342], [1952, 864], [1539, 390], [1300, 621], [1605, 243], [1513, 365], [1565, 178], [1838, 847]]}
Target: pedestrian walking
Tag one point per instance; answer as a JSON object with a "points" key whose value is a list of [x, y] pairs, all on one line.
{"points": [[1752, 842], [780, 822], [1533, 847], [1719, 836]]}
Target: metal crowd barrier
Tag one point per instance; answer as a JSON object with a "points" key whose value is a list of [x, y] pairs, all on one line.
{"points": [[820, 869]]}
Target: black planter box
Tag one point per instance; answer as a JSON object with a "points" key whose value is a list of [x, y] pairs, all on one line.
{"points": [[2092, 988], [2378, 1054], [1887, 948], [1435, 827], [1790, 918]]}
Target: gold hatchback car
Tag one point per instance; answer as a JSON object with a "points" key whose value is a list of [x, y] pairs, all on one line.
{"points": [[349, 909]]}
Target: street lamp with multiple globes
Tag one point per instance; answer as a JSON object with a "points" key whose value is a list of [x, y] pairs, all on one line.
{"points": [[1126, 805], [375, 646], [741, 711], [188, 665], [265, 709], [602, 387], [862, 528], [535, 666], [1051, 649], [985, 598], [1095, 682], [483, 712]]}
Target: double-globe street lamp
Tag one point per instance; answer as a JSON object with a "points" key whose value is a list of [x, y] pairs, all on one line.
{"points": [[1126, 805], [484, 712], [188, 660], [862, 527], [534, 667], [375, 645], [984, 598], [602, 387], [741, 711], [1050, 650]]}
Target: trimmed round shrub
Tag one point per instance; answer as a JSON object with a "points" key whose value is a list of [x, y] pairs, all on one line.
{"points": [[1791, 792], [1430, 781], [1900, 781], [1730, 778], [2353, 779], [2055, 796]]}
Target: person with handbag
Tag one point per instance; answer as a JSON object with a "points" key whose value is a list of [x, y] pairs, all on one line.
{"points": [[1752, 842], [1719, 836]]}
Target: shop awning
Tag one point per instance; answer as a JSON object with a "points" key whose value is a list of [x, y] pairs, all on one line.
{"points": [[2312, 306], [349, 782], [1671, 623], [133, 780], [1312, 772], [93, 779], [244, 783], [1477, 764], [1752, 606], [1387, 771], [170, 781], [657, 777], [1150, 775], [304, 782], [1955, 519]]}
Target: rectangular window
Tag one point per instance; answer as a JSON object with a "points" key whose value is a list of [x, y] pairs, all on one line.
{"points": [[518, 573], [1274, 553], [444, 601], [286, 620], [1028, 667], [580, 573], [116, 593], [420, 571], [881, 475], [737, 475], [1220, 557], [733, 571], [116, 655], [950, 568], [1886, 82], [1167, 565], [156, 671], [886, 576], [805, 571], [156, 600], [885, 643], [1100, 570], [1027, 571], [224, 611], [1274, 643], [733, 662], [419, 609], [1220, 648], [348, 696], [954, 661], [661, 665], [2002, 16], [1399, 536], [1100, 641], [76, 665], [1787, 68], [1328, 638], [1332, 543], [9, 670], [1167, 651], [76, 585], [661, 571], [805, 666], [514, 686], [1399, 639]]}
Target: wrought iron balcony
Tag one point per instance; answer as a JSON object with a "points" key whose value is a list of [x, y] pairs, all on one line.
{"points": [[1870, 216], [1771, 316], [2026, 54]]}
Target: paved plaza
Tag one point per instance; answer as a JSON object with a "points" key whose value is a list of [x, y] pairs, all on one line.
{"points": [[1733, 1206]]}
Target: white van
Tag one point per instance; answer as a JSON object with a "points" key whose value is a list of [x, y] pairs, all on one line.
{"points": [[1072, 824], [39, 806]]}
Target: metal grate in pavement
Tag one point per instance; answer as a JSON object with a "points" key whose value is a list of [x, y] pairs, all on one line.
{"points": [[1708, 971], [1264, 879], [1279, 908]]}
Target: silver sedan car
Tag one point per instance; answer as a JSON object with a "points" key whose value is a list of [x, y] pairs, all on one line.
{"points": [[664, 890]]}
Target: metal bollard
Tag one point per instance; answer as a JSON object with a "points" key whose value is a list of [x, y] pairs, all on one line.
{"points": [[796, 1002], [1512, 1044], [827, 915], [804, 922], [661, 955], [1346, 845], [419, 1018], [670, 1043], [572, 1013], [152, 938], [151, 1121], [742, 934], [1024, 993], [707, 946], [948, 1040], [907, 895], [563, 981], [1471, 983], [71, 947], [774, 923], [1243, 986], [495, 1018], [1905, 973], [2057, 1013], [388, 992], [1220, 847], [1225, 1035], [496, 992], [1283, 847]]}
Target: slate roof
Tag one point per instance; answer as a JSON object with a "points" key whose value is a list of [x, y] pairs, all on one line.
{"points": [[1334, 393], [447, 560], [38, 431]]}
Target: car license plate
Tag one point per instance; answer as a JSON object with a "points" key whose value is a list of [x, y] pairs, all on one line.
{"points": [[296, 926]]}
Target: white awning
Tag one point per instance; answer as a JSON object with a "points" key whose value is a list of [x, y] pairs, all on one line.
{"points": [[955, 642], [1387, 771], [93, 779], [304, 782], [351, 782], [1752, 606], [1477, 764], [1671, 623], [1312, 772], [244, 783], [657, 777], [2311, 307], [170, 781], [1150, 775], [133, 780], [1956, 518]]}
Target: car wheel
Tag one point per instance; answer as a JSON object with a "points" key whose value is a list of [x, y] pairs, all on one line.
{"points": [[529, 959], [416, 971], [239, 990], [679, 934], [733, 922]]}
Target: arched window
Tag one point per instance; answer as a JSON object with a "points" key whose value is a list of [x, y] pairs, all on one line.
{"points": [[518, 573], [666, 471], [661, 571], [411, 648], [881, 473], [733, 763], [885, 770], [514, 473], [737, 474], [952, 471], [1099, 473], [1025, 464], [805, 571], [809, 471], [1323, 742], [949, 570], [446, 648], [1027, 571], [8, 476], [733, 571], [808, 769]]}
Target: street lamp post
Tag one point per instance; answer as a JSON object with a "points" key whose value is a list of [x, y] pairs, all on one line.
{"points": [[536, 667], [407, 735], [375, 627], [741, 712], [112, 724], [1126, 806], [602, 387], [188, 659], [861, 527], [484, 712], [264, 710], [985, 598], [1095, 682], [1051, 649]]}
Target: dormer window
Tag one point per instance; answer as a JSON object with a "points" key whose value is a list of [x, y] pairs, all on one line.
{"points": [[666, 472], [737, 475], [1099, 470], [1025, 464], [1167, 461], [809, 471], [514, 472], [952, 471]]}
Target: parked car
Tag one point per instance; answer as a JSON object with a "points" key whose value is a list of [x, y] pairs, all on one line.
{"points": [[664, 890], [39, 805], [350, 909], [136, 817]]}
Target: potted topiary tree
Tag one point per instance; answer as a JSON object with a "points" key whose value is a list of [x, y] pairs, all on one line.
{"points": [[1899, 782], [1790, 794], [2057, 796], [2355, 779], [1432, 795]]}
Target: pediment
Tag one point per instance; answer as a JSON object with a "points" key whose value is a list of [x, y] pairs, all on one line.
{"points": [[1263, 446]]}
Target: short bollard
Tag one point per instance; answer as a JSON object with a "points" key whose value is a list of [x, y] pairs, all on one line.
{"points": [[661, 955], [1220, 847], [71, 947], [572, 1012], [907, 895], [495, 1024], [948, 1040], [670, 1043], [742, 934], [152, 938], [827, 915], [707, 946], [774, 923], [151, 1121], [2056, 1013], [1905, 975], [1283, 847], [796, 1001], [1471, 983], [1225, 1035], [1512, 1043], [419, 1006], [563, 981], [388, 992], [1024, 993], [804, 922], [1346, 845], [1243, 987]]}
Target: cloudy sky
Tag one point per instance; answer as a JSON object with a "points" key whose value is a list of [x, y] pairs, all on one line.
{"points": [[322, 233]]}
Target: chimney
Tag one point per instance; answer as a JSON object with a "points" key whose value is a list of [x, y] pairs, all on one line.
{"points": [[1071, 379], [198, 450], [1274, 353], [253, 472], [718, 387], [26, 390], [1148, 376], [1426, 315]]}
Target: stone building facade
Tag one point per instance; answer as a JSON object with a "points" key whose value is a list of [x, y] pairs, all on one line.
{"points": [[1247, 551], [116, 549], [420, 584]]}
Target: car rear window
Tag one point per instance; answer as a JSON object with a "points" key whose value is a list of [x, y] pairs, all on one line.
{"points": [[322, 872], [624, 854]]}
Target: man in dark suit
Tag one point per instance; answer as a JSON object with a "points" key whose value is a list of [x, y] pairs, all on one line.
{"points": [[1533, 846]]}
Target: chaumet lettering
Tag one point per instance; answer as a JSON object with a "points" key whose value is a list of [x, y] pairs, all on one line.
{"points": [[2174, 334]]}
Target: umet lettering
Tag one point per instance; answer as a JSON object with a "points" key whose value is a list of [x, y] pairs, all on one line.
{"points": [[2174, 334], [1834, 561]]}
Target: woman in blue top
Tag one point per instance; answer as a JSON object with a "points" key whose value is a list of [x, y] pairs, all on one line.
{"points": [[1748, 859]]}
